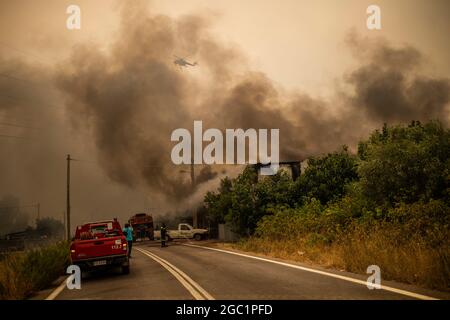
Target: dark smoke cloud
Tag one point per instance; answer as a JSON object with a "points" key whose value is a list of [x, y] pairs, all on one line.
{"points": [[132, 101], [134, 98], [389, 88], [124, 104], [35, 137], [205, 175]]}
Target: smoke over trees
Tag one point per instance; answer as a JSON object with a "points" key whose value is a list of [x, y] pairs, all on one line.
{"points": [[127, 100], [133, 98]]}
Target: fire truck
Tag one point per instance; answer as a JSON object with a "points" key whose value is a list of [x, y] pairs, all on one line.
{"points": [[142, 224]]}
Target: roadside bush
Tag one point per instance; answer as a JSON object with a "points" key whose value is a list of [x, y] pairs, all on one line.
{"points": [[428, 223], [410, 243], [290, 223], [23, 273]]}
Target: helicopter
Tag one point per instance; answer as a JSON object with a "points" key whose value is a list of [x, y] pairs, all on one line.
{"points": [[182, 62]]}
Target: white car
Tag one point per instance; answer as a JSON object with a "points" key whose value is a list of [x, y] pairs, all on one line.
{"points": [[184, 231]]}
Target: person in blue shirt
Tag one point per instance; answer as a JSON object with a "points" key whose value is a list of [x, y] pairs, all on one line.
{"points": [[128, 232]]}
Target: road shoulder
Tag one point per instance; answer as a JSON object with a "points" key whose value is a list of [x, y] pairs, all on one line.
{"points": [[45, 293]]}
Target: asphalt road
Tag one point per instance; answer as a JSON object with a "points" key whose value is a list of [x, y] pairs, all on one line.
{"points": [[186, 272]]}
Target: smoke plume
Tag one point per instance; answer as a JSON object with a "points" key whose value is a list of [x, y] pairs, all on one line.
{"points": [[133, 98], [127, 100]]}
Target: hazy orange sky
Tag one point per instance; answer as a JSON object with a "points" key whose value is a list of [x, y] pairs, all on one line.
{"points": [[68, 98], [298, 43]]}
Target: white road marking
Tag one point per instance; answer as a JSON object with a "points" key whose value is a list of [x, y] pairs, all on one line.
{"points": [[187, 278], [193, 287], [57, 291], [387, 288]]}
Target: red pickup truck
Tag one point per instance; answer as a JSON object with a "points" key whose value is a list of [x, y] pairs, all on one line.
{"points": [[100, 245]]}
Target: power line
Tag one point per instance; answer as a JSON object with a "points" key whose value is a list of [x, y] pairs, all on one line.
{"points": [[16, 78], [87, 161], [24, 206], [17, 125], [9, 136], [24, 52], [153, 166], [11, 97], [16, 99]]}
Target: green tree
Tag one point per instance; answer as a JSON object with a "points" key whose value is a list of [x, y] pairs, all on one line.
{"points": [[406, 164], [244, 200], [326, 177], [244, 214], [218, 204]]}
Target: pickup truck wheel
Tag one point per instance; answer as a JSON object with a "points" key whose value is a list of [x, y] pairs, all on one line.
{"points": [[126, 269], [198, 237]]}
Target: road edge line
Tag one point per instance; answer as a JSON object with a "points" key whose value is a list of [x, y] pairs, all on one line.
{"points": [[55, 293], [387, 288], [197, 295]]}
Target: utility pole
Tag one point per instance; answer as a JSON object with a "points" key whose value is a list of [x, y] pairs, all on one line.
{"points": [[64, 224], [194, 214], [192, 174], [68, 197]]}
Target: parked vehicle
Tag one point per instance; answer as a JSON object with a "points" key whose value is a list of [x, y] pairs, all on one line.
{"points": [[142, 224], [100, 245], [184, 231]]}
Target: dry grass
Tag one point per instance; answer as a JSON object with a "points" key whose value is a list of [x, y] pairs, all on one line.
{"points": [[412, 262], [294, 250], [23, 273]]}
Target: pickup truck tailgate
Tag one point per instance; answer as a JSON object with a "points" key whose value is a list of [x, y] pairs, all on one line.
{"points": [[96, 248]]}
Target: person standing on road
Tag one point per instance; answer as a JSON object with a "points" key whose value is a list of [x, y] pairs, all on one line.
{"points": [[128, 232], [163, 235]]}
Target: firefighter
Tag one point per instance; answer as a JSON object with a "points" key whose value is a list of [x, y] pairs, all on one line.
{"points": [[163, 235]]}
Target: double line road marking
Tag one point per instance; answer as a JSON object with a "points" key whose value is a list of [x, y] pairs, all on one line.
{"points": [[193, 287]]}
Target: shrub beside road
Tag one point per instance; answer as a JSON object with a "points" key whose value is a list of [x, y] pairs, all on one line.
{"points": [[23, 273]]}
